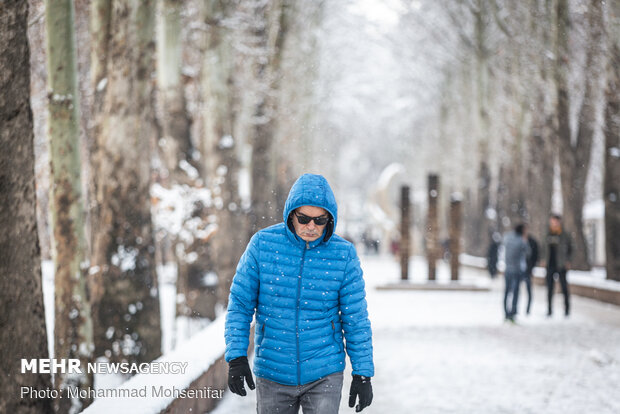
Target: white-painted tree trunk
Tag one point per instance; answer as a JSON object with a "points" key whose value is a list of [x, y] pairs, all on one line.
{"points": [[73, 329]]}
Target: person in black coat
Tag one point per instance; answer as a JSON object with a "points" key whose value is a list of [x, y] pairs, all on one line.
{"points": [[559, 253], [493, 254]]}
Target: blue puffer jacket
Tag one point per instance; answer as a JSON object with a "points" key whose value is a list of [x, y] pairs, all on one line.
{"points": [[306, 296]]}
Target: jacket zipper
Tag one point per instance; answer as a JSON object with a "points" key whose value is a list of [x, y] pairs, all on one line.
{"points": [[301, 269]]}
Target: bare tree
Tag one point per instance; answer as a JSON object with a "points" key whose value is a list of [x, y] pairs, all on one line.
{"points": [[267, 32], [73, 330], [574, 151], [174, 143], [525, 113], [611, 184], [220, 145], [473, 21], [123, 283], [296, 94], [541, 140], [22, 317], [38, 102], [180, 164]]}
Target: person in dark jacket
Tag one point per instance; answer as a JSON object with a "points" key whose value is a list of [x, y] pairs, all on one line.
{"points": [[532, 259], [515, 252], [304, 283], [493, 254], [559, 252]]}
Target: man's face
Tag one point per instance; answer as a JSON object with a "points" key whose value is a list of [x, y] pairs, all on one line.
{"points": [[311, 231], [554, 224]]}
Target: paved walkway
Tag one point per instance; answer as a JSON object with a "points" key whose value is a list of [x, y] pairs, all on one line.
{"points": [[452, 352]]}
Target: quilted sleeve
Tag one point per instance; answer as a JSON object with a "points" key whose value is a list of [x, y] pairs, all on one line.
{"points": [[242, 302], [354, 315]]}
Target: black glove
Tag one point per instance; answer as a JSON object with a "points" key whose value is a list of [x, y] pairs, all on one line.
{"points": [[238, 369], [360, 386]]}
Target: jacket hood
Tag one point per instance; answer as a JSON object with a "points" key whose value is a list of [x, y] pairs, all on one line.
{"points": [[311, 190]]}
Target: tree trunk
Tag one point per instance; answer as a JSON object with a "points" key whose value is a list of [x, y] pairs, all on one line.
{"points": [[575, 157], [86, 94], [221, 145], [175, 144], [73, 330], [299, 24], [540, 174], [542, 137], [482, 75], [38, 104], [611, 190], [482, 228], [486, 223], [469, 225], [124, 289], [178, 164], [268, 33], [22, 317], [512, 187]]}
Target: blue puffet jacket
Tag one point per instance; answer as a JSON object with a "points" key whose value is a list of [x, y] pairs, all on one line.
{"points": [[307, 296]]}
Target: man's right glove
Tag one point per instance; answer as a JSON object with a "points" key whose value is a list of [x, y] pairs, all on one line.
{"points": [[360, 386], [238, 369]]}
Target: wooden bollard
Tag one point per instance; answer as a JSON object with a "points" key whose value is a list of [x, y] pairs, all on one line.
{"points": [[432, 225], [405, 239], [456, 219]]}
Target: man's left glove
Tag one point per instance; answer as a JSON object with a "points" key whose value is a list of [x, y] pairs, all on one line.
{"points": [[238, 369], [360, 386]]}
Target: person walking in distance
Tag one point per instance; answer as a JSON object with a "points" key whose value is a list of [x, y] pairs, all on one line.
{"points": [[305, 285], [559, 251], [515, 257], [493, 253]]}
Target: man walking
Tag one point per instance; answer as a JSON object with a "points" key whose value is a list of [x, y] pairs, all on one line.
{"points": [[559, 251], [515, 252], [305, 285]]}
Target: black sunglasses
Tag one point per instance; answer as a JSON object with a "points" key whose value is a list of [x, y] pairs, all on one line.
{"points": [[319, 221]]}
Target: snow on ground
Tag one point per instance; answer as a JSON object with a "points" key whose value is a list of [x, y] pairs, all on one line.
{"points": [[452, 352], [196, 357], [175, 331]]}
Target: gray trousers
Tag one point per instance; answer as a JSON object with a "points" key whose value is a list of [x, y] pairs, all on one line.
{"points": [[319, 397]]}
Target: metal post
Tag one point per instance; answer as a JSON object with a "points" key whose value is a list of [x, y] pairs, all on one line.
{"points": [[455, 235], [405, 239], [432, 225]]}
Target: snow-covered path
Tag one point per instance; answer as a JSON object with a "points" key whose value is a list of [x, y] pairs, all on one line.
{"points": [[451, 352]]}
